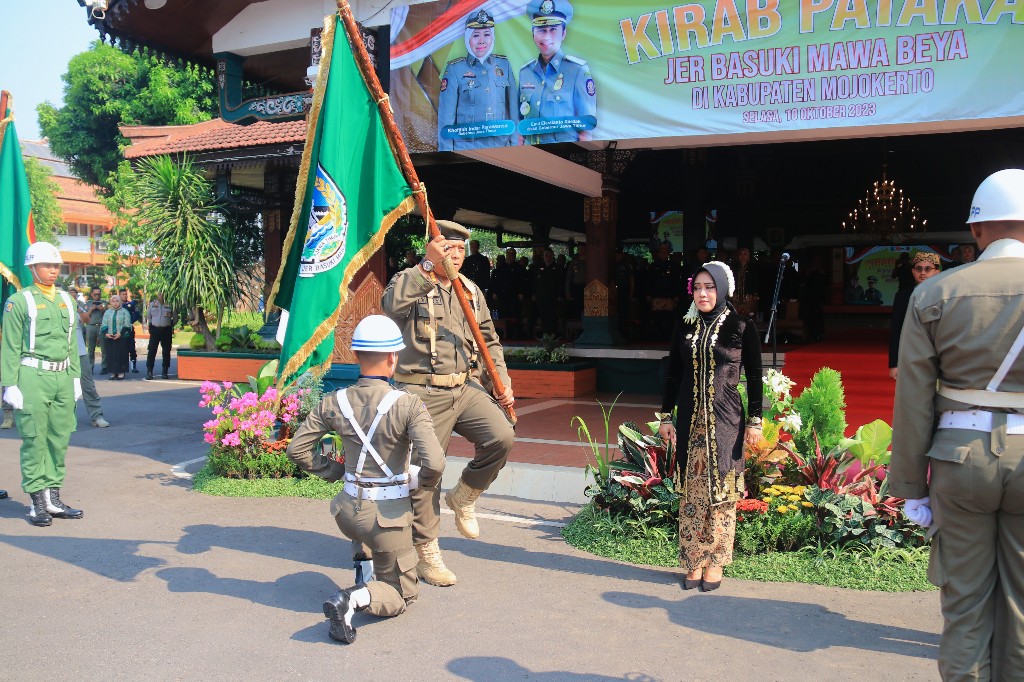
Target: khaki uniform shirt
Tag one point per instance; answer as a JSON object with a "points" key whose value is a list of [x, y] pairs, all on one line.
{"points": [[405, 302], [406, 422], [959, 327], [52, 340], [160, 314]]}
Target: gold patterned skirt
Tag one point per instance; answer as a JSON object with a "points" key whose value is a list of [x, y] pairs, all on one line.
{"points": [[707, 529]]}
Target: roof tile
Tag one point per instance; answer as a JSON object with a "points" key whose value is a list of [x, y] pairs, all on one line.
{"points": [[215, 134]]}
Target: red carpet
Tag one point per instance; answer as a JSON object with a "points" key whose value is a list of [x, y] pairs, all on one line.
{"points": [[862, 358]]}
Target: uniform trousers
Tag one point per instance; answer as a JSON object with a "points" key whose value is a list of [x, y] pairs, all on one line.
{"points": [[471, 412], [94, 338], [977, 555], [89, 394], [385, 530], [45, 423], [159, 336]]}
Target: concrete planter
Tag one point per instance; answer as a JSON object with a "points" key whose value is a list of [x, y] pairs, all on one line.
{"points": [[566, 380], [234, 367]]}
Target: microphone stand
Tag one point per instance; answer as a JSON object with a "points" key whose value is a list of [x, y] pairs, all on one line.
{"points": [[772, 321]]}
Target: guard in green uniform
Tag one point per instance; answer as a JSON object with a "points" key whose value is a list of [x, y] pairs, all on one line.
{"points": [[441, 364], [40, 375], [389, 447]]}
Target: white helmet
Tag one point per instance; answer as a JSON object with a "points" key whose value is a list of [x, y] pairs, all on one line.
{"points": [[999, 197], [42, 252], [378, 334]]}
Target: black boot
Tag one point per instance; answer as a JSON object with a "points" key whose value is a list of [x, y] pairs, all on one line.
{"points": [[135, 366], [149, 375], [165, 374], [340, 609], [37, 513], [3, 494], [57, 508]]}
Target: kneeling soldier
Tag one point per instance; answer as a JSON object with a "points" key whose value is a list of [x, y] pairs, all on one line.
{"points": [[388, 438]]}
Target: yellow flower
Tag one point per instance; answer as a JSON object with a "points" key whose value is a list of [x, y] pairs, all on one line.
{"points": [[793, 498], [774, 493], [806, 503], [782, 509], [766, 499]]}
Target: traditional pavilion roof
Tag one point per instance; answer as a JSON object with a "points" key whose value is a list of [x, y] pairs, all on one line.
{"points": [[210, 135], [186, 29], [78, 201]]}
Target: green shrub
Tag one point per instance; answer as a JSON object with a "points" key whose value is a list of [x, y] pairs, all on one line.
{"points": [[845, 519], [263, 465], [197, 342], [822, 406], [776, 523]]}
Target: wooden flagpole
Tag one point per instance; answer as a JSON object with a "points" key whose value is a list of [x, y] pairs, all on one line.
{"points": [[355, 39]]}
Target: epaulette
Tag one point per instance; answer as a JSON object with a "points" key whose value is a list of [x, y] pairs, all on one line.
{"points": [[456, 60], [500, 56], [576, 60]]}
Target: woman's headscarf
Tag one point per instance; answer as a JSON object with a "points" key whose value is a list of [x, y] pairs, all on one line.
{"points": [[725, 286]]}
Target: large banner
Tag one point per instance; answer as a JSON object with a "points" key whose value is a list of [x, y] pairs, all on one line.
{"points": [[471, 74], [870, 272]]}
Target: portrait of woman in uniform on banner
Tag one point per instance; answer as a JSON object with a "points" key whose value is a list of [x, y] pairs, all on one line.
{"points": [[476, 105]]}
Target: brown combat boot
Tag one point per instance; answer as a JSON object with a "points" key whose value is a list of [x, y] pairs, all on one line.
{"points": [[431, 568], [8, 419], [462, 499]]}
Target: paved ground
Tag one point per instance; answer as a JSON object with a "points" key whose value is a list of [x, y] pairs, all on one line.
{"points": [[158, 582]]}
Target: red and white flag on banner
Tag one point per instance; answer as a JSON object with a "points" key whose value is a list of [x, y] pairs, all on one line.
{"points": [[446, 29]]}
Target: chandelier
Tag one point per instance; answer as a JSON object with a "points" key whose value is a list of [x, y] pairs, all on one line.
{"points": [[884, 212]]}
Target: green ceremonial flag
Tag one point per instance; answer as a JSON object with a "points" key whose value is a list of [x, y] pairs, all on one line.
{"points": [[350, 192], [16, 228]]}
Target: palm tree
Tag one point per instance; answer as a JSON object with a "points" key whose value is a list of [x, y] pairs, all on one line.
{"points": [[194, 242]]}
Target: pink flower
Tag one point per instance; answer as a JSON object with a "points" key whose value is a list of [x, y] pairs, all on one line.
{"points": [[286, 418], [231, 439], [212, 424], [209, 438], [218, 409], [689, 286], [228, 384]]}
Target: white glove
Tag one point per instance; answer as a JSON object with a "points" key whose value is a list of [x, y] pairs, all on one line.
{"points": [[414, 476], [919, 511], [78, 389], [14, 398]]}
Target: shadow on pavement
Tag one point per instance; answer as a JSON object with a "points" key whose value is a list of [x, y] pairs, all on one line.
{"points": [[307, 547], [793, 626], [488, 668], [566, 562], [115, 559], [302, 592]]}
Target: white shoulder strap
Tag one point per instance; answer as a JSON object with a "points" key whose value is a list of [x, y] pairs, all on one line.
{"points": [[71, 315], [33, 313], [382, 408], [1011, 357]]}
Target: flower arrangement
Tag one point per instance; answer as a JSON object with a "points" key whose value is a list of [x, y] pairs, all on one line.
{"points": [[242, 431]]}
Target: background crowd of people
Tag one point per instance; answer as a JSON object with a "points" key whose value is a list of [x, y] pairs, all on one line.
{"points": [[536, 292]]}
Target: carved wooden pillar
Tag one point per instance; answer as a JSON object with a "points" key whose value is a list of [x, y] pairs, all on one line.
{"points": [[279, 192], [600, 214]]}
